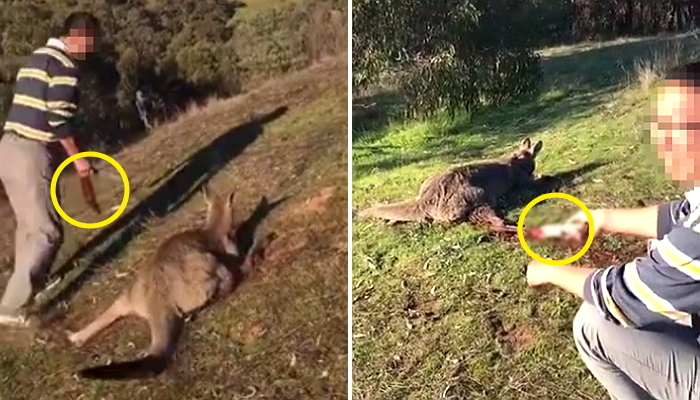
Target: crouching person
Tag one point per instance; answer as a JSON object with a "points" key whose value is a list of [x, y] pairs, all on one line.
{"points": [[637, 330]]}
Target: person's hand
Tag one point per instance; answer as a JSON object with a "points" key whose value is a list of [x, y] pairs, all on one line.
{"points": [[83, 167], [537, 274], [576, 228]]}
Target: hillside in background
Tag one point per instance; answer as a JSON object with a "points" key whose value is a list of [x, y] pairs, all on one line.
{"points": [[176, 51], [279, 139]]}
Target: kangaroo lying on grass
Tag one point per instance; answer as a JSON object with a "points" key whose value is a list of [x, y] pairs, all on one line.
{"points": [[466, 193], [186, 274]]}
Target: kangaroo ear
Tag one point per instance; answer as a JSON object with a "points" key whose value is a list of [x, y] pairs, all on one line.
{"points": [[206, 193], [229, 199], [525, 144], [537, 148]]}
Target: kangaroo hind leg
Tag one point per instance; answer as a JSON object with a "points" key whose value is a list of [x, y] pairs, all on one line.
{"points": [[120, 308]]}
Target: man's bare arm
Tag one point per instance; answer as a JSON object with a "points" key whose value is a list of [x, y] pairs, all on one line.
{"points": [[81, 165], [70, 146], [566, 277], [639, 221]]}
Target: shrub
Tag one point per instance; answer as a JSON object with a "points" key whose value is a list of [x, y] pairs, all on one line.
{"points": [[445, 56], [290, 37]]}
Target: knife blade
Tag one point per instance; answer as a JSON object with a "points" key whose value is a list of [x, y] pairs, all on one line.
{"points": [[558, 232], [89, 193]]}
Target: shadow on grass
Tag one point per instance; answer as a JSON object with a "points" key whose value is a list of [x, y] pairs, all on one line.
{"points": [[609, 65], [498, 129], [391, 159], [177, 189], [246, 231], [372, 114], [546, 184]]}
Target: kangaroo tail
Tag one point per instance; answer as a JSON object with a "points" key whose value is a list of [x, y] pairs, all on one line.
{"points": [[165, 329], [147, 367], [403, 211]]}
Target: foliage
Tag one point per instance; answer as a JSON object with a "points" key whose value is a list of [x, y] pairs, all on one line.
{"points": [[290, 37], [461, 54], [177, 51], [609, 19], [446, 55]]}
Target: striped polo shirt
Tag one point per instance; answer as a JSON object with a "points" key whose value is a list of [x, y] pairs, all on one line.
{"points": [[664, 286], [46, 94]]}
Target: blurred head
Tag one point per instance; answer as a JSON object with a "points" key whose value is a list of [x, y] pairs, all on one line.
{"points": [[675, 124], [81, 32]]}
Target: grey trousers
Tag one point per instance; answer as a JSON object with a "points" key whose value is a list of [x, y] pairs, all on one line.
{"points": [[657, 363], [26, 169]]}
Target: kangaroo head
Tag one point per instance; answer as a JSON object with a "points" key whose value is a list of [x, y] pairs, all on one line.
{"points": [[524, 158], [219, 222]]}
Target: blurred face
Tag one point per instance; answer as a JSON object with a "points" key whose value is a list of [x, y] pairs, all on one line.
{"points": [[82, 42], [675, 131]]}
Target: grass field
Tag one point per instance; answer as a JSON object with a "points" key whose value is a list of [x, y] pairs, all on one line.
{"points": [[445, 312], [283, 334], [251, 8]]}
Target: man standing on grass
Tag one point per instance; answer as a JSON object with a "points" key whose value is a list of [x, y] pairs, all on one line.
{"points": [[43, 106], [638, 330]]}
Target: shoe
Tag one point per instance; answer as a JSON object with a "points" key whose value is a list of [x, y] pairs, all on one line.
{"points": [[15, 321]]}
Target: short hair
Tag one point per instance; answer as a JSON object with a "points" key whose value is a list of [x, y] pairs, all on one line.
{"points": [[80, 20], [687, 74]]}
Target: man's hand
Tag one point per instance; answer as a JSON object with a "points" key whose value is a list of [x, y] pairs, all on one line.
{"points": [[567, 277], [82, 165], [576, 228], [536, 274]]}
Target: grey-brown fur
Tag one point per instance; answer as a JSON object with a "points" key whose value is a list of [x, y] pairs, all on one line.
{"points": [[465, 193], [185, 275]]}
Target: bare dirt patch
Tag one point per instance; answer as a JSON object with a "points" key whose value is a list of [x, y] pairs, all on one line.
{"points": [[319, 202]]}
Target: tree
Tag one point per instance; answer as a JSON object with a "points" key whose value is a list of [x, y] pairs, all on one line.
{"points": [[445, 55]]}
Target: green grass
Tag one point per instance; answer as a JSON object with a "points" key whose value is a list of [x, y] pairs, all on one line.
{"points": [[445, 312]]}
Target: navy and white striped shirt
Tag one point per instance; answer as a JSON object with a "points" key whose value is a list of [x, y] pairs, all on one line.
{"points": [[664, 286], [46, 94]]}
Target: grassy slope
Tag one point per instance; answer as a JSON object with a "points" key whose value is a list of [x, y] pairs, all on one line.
{"points": [[446, 312], [284, 332], [253, 7]]}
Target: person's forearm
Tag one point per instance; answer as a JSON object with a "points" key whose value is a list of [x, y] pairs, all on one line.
{"points": [[640, 221], [70, 146], [567, 277]]}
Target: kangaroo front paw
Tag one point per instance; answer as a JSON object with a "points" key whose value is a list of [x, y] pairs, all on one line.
{"points": [[225, 286], [76, 338]]}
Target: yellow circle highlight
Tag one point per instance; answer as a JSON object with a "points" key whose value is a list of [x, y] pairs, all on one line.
{"points": [[94, 225], [589, 216]]}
